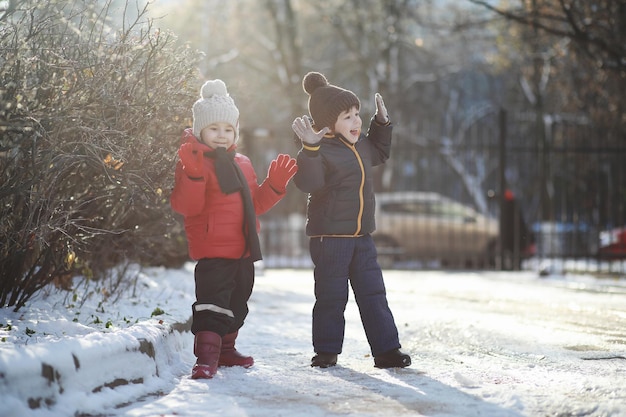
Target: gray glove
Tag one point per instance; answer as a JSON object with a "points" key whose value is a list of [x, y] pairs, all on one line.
{"points": [[303, 128], [381, 115]]}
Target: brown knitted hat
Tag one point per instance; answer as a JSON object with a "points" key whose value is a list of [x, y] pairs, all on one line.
{"points": [[327, 101]]}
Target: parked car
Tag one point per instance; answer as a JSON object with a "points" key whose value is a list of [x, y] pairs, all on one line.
{"points": [[613, 243], [427, 226], [566, 239]]}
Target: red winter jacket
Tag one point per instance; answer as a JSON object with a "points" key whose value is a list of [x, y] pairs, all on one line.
{"points": [[214, 220]]}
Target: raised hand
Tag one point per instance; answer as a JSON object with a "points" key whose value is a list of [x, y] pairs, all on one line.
{"points": [[381, 115], [303, 128], [191, 157], [281, 170]]}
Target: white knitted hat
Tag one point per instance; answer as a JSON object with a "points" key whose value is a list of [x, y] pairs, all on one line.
{"points": [[214, 105]]}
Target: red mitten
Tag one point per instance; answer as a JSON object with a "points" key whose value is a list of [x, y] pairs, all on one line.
{"points": [[191, 156], [281, 170]]}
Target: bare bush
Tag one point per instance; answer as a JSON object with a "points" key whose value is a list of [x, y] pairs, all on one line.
{"points": [[89, 121]]}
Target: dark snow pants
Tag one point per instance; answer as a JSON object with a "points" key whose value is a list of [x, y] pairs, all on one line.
{"points": [[337, 261], [223, 288]]}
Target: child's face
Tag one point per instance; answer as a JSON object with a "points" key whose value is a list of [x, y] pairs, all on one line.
{"points": [[218, 134], [348, 124]]}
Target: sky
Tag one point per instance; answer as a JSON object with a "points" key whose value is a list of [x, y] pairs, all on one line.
{"points": [[483, 344]]}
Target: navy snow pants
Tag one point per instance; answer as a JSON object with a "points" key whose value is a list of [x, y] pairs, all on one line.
{"points": [[337, 261]]}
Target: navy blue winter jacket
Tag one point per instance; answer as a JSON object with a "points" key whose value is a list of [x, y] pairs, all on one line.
{"points": [[338, 179]]}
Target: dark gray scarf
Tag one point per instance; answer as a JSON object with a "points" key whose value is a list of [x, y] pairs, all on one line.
{"points": [[231, 179]]}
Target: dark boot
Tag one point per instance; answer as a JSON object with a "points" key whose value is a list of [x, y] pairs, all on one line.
{"points": [[392, 359], [206, 347], [324, 360], [230, 356]]}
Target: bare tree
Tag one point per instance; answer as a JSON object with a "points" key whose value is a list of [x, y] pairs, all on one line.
{"points": [[572, 61], [598, 27]]}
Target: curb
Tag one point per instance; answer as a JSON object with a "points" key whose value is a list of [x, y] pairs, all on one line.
{"points": [[39, 377]]}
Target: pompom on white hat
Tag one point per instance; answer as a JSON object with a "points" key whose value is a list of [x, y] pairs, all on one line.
{"points": [[215, 105]]}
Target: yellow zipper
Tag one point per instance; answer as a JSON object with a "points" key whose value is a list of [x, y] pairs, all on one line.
{"points": [[361, 186]]}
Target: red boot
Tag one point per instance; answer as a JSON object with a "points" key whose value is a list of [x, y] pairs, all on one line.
{"points": [[206, 347], [229, 355]]}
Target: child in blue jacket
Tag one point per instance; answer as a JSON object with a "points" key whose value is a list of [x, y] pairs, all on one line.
{"points": [[335, 169]]}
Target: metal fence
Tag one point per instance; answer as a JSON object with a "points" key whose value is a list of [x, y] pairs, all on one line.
{"points": [[566, 178]]}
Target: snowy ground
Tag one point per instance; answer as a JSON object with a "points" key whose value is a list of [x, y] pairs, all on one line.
{"points": [[483, 344]]}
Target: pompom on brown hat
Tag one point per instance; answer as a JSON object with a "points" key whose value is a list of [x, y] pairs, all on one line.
{"points": [[327, 101]]}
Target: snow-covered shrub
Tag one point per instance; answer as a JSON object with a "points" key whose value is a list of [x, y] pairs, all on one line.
{"points": [[92, 103]]}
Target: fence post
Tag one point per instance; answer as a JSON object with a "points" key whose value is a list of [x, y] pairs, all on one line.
{"points": [[502, 179]]}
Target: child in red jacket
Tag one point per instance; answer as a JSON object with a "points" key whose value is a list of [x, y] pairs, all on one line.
{"points": [[216, 191]]}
